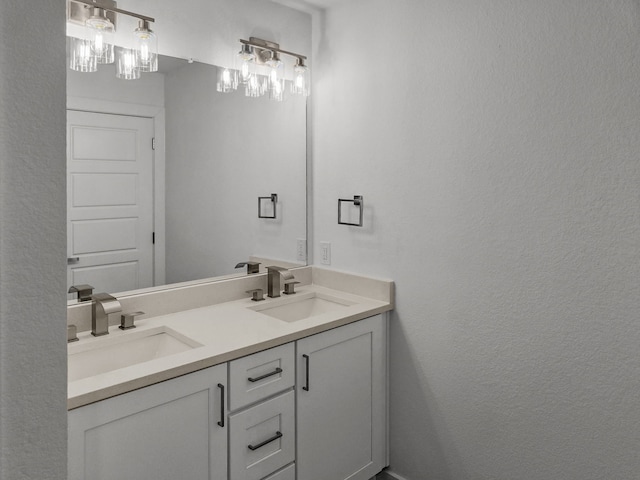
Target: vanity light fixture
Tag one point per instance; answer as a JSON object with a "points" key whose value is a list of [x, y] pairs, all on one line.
{"points": [[260, 70], [97, 46]]}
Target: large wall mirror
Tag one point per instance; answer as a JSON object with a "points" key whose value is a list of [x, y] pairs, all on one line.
{"points": [[171, 181]]}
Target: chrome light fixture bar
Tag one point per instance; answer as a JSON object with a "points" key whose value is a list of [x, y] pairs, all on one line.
{"points": [[81, 15], [99, 16], [260, 69]]}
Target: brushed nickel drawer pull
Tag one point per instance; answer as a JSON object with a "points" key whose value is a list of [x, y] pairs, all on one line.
{"points": [[262, 377], [275, 437]]}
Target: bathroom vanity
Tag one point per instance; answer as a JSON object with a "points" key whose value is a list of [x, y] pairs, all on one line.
{"points": [[285, 388]]}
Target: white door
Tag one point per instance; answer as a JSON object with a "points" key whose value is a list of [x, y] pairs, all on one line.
{"points": [[109, 201]]}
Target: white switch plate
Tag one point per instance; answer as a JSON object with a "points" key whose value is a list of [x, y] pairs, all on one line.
{"points": [[301, 250], [325, 253]]}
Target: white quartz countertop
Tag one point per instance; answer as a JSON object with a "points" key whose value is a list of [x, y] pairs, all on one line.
{"points": [[226, 331]]}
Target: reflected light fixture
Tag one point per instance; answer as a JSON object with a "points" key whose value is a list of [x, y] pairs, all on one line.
{"points": [[97, 43], [146, 47], [260, 69], [102, 31], [81, 58]]}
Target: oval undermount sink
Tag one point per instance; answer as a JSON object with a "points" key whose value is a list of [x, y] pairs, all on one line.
{"points": [[302, 306], [124, 350]]}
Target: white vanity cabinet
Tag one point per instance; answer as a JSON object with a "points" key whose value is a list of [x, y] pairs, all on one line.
{"points": [[310, 409], [170, 430], [341, 402]]}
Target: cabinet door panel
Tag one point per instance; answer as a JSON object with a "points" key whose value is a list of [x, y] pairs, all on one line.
{"points": [[271, 420], [342, 415], [164, 431]]}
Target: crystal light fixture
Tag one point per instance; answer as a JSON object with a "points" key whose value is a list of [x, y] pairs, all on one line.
{"points": [[81, 58], [102, 31], [146, 46], [276, 78], [127, 65], [96, 45], [247, 66], [260, 69], [300, 84]]}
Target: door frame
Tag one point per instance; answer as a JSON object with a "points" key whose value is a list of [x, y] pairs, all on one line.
{"points": [[157, 114]]}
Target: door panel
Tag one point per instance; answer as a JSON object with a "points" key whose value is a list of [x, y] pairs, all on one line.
{"points": [[110, 201]]}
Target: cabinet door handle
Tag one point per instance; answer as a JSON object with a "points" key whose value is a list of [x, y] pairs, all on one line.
{"points": [[306, 370], [261, 377], [262, 444], [221, 422]]}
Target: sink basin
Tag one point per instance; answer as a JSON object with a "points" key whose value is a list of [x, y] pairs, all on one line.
{"points": [[301, 306], [89, 358]]}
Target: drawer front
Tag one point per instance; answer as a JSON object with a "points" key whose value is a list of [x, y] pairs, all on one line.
{"points": [[261, 375], [288, 473], [262, 438]]}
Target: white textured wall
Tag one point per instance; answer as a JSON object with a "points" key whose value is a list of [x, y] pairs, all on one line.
{"points": [[33, 432], [496, 145]]}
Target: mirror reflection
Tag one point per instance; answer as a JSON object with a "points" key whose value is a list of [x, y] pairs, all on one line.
{"points": [[171, 181]]}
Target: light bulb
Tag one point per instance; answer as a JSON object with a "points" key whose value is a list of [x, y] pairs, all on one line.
{"points": [[246, 64], [227, 80], [276, 78], [127, 65], [300, 84], [102, 32], [256, 86], [81, 58], [146, 46]]}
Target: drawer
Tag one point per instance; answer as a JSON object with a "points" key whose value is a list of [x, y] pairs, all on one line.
{"points": [[261, 375], [262, 438], [288, 473]]}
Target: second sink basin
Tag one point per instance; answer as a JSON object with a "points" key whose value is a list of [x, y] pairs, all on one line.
{"points": [[108, 354], [301, 306]]}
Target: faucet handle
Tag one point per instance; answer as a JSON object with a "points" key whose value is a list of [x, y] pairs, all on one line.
{"points": [[252, 267], [84, 291], [127, 319], [257, 294], [289, 287], [72, 333]]}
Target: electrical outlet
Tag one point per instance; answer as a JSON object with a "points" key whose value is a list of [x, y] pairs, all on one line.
{"points": [[325, 253], [301, 251]]}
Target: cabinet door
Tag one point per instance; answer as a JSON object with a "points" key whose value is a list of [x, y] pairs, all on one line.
{"points": [[341, 394], [165, 431]]}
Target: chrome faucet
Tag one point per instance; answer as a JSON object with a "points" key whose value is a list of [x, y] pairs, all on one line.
{"points": [[103, 305], [275, 275]]}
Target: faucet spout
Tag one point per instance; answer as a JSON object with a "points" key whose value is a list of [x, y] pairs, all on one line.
{"points": [[103, 305], [275, 275]]}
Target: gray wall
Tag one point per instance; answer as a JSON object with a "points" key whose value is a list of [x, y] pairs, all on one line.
{"points": [[33, 432], [496, 145]]}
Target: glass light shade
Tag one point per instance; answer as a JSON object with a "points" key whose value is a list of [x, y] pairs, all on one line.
{"points": [[146, 47], [300, 84], [81, 58], [102, 33], [126, 65], [245, 64], [276, 79], [227, 80], [256, 86]]}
